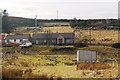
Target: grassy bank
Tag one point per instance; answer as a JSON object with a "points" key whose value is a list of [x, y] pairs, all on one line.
{"points": [[51, 65]]}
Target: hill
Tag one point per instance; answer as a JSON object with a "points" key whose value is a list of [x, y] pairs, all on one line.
{"points": [[29, 22]]}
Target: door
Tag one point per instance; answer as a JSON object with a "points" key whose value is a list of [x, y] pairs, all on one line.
{"points": [[60, 41]]}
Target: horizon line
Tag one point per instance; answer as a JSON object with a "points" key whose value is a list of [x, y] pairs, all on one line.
{"points": [[63, 18]]}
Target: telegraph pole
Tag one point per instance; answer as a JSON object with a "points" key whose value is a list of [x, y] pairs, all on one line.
{"points": [[118, 22], [36, 21], [0, 20], [90, 32]]}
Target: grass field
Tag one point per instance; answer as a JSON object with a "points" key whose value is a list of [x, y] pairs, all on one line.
{"points": [[58, 65], [101, 36], [62, 29]]}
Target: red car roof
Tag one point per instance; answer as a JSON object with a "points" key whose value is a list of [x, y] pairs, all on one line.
{"points": [[2, 36]]}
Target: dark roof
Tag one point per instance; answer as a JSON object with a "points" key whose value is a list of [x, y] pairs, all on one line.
{"points": [[52, 35], [18, 36]]}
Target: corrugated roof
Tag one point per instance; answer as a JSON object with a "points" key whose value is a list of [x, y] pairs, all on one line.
{"points": [[52, 35], [18, 36]]}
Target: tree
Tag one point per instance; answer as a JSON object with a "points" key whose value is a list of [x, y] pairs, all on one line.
{"points": [[119, 23], [74, 23], [99, 24], [5, 23]]}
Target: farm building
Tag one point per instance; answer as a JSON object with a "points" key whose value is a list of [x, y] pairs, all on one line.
{"points": [[53, 38], [86, 55], [17, 38]]}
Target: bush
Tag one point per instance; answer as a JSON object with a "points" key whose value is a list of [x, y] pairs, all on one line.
{"points": [[116, 45], [69, 64], [18, 74], [24, 63], [11, 73], [81, 45], [63, 49]]}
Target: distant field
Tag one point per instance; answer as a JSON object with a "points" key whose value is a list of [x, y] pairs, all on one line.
{"points": [[101, 36], [62, 29], [98, 36]]}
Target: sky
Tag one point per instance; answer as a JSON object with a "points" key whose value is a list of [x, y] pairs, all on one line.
{"points": [[66, 9]]}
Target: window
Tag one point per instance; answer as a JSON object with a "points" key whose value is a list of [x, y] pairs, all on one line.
{"points": [[69, 40], [37, 42], [12, 40], [53, 41], [44, 41]]}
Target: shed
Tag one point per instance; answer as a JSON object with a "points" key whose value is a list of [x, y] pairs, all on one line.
{"points": [[86, 55]]}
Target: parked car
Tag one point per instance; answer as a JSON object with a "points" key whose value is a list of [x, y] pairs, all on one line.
{"points": [[26, 44]]}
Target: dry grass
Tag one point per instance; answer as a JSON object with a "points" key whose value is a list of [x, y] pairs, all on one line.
{"points": [[96, 65], [10, 72], [100, 36], [62, 29], [57, 65]]}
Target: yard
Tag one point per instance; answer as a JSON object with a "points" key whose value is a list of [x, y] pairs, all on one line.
{"points": [[56, 65], [41, 61]]}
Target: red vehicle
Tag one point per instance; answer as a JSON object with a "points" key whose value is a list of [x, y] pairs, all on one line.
{"points": [[2, 37]]}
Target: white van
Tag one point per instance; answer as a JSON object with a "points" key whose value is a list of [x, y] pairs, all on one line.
{"points": [[26, 44]]}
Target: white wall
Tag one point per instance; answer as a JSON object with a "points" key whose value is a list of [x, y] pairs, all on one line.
{"points": [[17, 40], [83, 55], [11, 40]]}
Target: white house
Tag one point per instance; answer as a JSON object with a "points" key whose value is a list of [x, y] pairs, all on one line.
{"points": [[17, 38]]}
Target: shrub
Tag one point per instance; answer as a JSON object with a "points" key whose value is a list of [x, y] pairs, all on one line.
{"points": [[116, 45], [24, 63], [17, 74], [69, 64], [28, 71], [81, 45], [63, 49], [11, 73]]}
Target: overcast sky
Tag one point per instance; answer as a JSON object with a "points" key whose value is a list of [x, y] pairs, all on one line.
{"points": [[67, 9]]}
